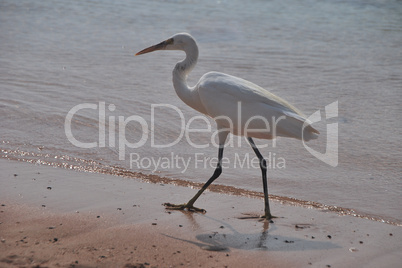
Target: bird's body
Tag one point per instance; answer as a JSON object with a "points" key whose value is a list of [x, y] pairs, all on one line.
{"points": [[238, 106], [245, 102]]}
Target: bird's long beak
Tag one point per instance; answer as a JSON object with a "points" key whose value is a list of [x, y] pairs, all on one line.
{"points": [[159, 46]]}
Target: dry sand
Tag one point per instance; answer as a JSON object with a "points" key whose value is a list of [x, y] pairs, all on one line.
{"points": [[51, 217]]}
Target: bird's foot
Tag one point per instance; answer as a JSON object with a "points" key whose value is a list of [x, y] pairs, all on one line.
{"points": [[267, 217], [184, 207]]}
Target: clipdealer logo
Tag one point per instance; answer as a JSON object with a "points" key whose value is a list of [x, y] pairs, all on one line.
{"points": [[330, 156]]}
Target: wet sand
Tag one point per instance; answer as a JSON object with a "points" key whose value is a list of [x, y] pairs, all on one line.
{"points": [[51, 217]]}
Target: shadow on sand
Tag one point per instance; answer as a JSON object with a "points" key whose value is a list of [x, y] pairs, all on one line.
{"points": [[263, 240]]}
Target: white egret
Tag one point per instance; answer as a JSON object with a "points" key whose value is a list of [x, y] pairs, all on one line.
{"points": [[238, 107]]}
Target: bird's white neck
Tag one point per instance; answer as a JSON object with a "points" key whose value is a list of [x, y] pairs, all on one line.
{"points": [[180, 73]]}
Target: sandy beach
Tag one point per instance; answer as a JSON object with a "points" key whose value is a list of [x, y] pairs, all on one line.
{"points": [[51, 217]]}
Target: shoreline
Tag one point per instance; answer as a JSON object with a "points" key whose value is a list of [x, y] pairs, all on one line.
{"points": [[98, 168], [121, 222]]}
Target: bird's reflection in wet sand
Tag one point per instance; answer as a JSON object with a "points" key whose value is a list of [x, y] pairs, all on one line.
{"points": [[264, 235], [227, 237], [216, 241]]}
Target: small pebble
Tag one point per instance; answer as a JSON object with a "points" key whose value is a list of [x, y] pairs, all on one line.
{"points": [[49, 188], [353, 249], [329, 236], [154, 223]]}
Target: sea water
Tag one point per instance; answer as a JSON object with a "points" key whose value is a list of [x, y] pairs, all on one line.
{"points": [[60, 58]]}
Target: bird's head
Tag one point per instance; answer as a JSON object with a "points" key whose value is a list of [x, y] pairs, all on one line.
{"points": [[177, 42]]}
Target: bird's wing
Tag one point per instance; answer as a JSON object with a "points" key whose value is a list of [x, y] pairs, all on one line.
{"points": [[220, 94], [215, 88]]}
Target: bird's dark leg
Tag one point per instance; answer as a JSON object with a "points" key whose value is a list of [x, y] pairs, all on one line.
{"points": [[222, 135], [263, 166], [190, 204]]}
